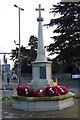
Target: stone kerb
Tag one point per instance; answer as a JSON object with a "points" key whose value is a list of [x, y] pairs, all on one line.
{"points": [[43, 103]]}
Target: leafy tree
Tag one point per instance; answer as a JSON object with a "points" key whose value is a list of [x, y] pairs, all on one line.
{"points": [[26, 65], [25, 58], [67, 41], [15, 55], [33, 43]]}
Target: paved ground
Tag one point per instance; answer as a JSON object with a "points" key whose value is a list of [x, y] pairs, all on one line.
{"points": [[8, 112], [71, 112]]}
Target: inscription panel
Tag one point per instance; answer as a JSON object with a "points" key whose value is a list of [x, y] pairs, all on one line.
{"points": [[43, 72]]}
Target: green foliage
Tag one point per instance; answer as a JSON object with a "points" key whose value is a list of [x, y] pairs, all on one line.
{"points": [[26, 55], [66, 43], [77, 96], [6, 98], [26, 65], [33, 43], [14, 54]]}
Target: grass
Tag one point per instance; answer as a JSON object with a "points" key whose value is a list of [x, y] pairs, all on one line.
{"points": [[6, 98], [77, 96]]}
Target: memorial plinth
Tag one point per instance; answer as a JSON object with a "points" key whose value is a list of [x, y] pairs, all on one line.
{"points": [[41, 74], [43, 103]]}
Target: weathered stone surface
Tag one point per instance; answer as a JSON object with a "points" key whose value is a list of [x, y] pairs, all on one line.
{"points": [[43, 103], [37, 81]]}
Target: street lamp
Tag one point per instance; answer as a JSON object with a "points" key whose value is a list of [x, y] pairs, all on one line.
{"points": [[17, 64], [19, 40]]}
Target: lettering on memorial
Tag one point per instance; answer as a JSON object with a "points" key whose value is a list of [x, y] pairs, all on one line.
{"points": [[43, 72]]}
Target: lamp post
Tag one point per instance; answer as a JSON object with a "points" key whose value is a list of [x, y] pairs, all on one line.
{"points": [[19, 41], [17, 65]]}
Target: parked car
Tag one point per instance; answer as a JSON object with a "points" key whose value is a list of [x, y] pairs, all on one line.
{"points": [[14, 77]]}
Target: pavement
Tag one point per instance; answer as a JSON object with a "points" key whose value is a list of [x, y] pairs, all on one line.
{"points": [[6, 110]]}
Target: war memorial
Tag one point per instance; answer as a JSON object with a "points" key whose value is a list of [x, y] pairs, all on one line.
{"points": [[41, 94]]}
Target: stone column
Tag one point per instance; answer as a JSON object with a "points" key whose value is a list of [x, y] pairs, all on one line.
{"points": [[41, 52], [41, 68]]}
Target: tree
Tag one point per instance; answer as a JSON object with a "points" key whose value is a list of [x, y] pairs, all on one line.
{"points": [[67, 41], [33, 43], [14, 54], [25, 53], [26, 65], [25, 58]]}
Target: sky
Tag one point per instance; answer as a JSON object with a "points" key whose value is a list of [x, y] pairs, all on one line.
{"points": [[9, 23]]}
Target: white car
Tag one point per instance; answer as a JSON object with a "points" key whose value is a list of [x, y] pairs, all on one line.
{"points": [[14, 77]]}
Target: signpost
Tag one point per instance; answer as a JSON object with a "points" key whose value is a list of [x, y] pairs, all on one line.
{"points": [[5, 75], [74, 76]]}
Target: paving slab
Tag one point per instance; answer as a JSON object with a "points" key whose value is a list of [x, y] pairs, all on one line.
{"points": [[9, 112]]}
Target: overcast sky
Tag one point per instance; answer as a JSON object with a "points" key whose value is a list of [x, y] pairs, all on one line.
{"points": [[9, 29]]}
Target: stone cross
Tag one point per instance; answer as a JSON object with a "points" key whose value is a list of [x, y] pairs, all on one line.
{"points": [[39, 19], [41, 52]]}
